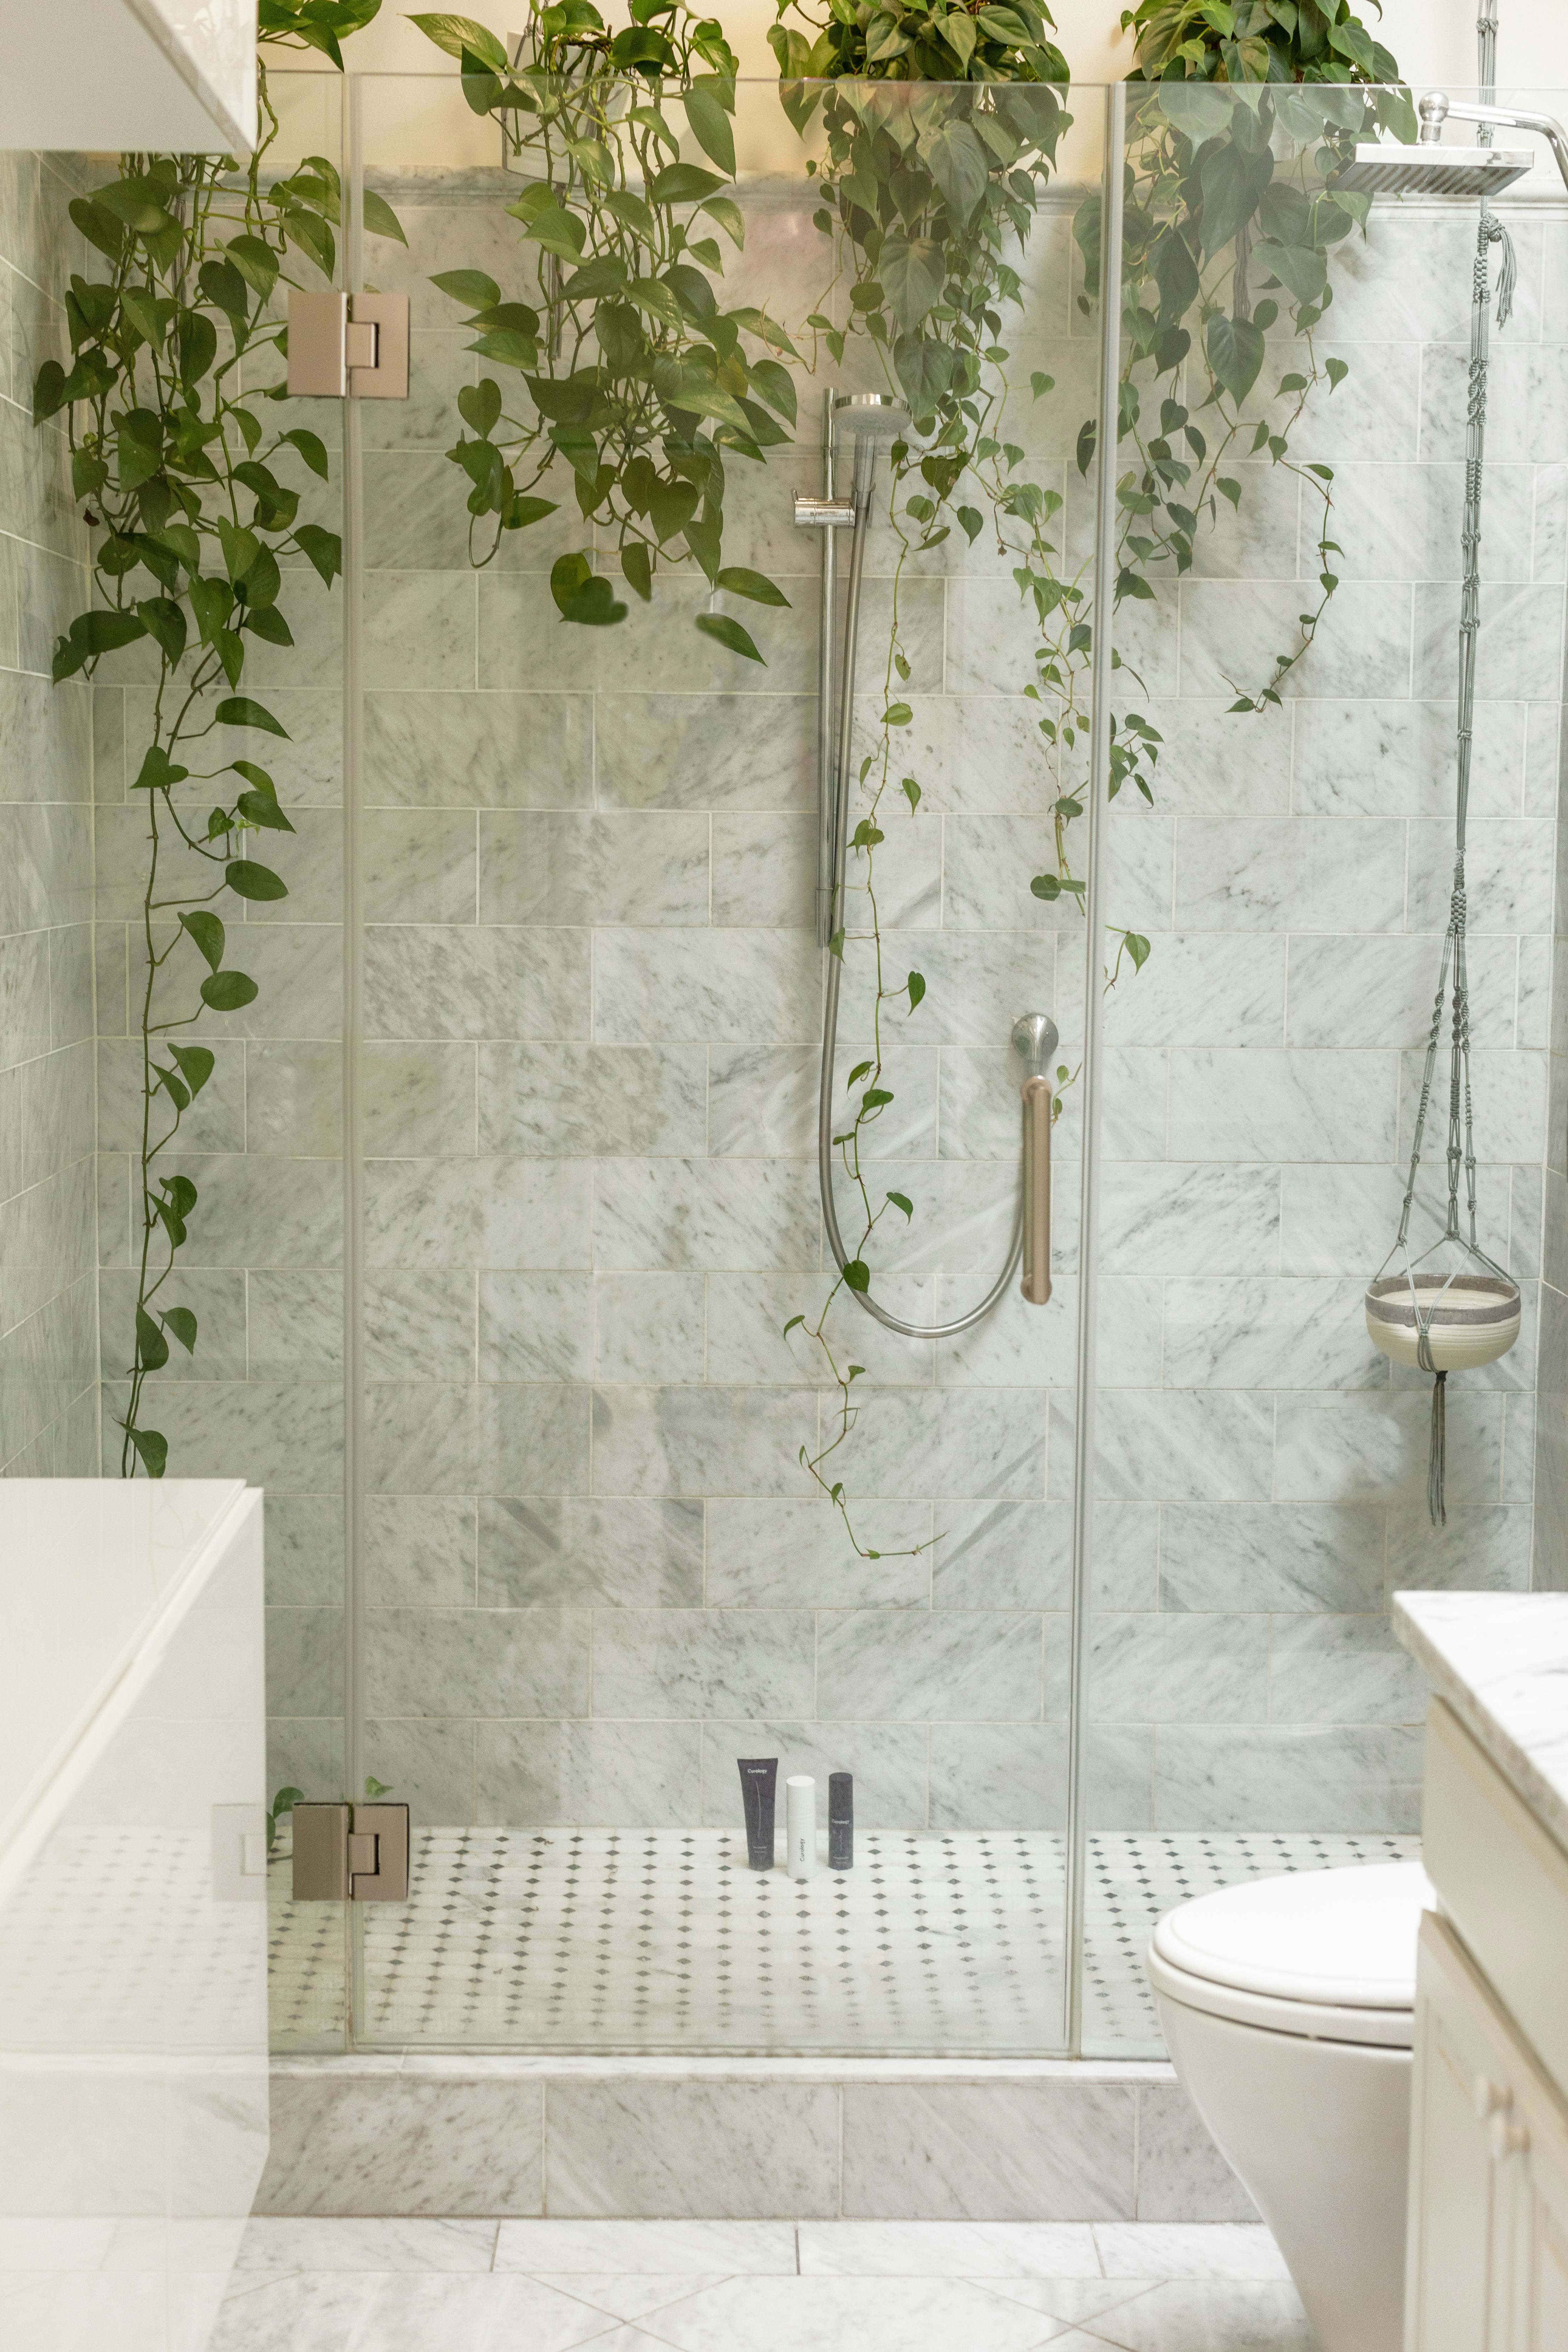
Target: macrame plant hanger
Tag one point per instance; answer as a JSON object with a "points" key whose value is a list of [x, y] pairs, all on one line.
{"points": [[1453, 1321]]}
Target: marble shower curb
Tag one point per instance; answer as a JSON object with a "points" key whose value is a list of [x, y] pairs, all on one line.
{"points": [[719, 2139]]}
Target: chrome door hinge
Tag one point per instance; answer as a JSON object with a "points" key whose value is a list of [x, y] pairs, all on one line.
{"points": [[343, 344], [355, 1854]]}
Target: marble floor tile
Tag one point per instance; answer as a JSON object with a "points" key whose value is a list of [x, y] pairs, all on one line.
{"points": [[328, 2312], [1188, 2250], [647, 2248], [1207, 2315], [840, 2314], [1080, 2302], [314, 2311], [632, 2294], [306, 2242], [972, 2250]]}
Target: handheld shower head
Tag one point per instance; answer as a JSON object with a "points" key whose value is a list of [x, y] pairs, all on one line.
{"points": [[870, 415]]}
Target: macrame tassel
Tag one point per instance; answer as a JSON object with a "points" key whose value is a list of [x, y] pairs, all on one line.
{"points": [[1508, 273], [1436, 1459]]}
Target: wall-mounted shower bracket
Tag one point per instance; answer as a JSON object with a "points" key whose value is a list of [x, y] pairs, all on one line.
{"points": [[348, 345], [823, 514], [345, 1853]]}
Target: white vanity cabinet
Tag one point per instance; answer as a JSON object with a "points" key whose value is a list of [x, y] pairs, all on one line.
{"points": [[1488, 2239]]}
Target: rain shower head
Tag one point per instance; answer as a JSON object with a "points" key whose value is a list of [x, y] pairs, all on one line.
{"points": [[870, 415], [1383, 168]]}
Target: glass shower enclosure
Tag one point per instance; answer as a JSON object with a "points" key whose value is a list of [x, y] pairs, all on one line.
{"points": [[1154, 592]]}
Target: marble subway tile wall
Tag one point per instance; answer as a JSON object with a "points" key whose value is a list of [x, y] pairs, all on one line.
{"points": [[1264, 1072], [592, 1000], [48, 1366], [595, 1571]]}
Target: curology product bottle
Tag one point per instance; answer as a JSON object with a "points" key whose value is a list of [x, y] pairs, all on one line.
{"points": [[841, 1821], [759, 1791], [800, 1821]]}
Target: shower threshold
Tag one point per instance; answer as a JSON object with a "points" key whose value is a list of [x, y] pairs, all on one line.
{"points": [[664, 1941]]}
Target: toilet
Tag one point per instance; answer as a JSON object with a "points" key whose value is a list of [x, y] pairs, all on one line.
{"points": [[1288, 2006]]}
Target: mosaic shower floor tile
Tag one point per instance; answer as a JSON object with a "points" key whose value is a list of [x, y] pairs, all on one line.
{"points": [[625, 1941]]}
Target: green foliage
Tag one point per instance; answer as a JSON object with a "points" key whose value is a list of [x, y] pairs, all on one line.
{"points": [[283, 1802], [626, 387], [193, 494], [1255, 40], [1231, 228]]}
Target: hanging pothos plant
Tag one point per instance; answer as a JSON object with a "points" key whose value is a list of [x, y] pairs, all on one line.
{"points": [[627, 379], [184, 486], [1230, 231], [930, 201]]}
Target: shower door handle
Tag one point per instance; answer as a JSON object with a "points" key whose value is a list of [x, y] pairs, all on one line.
{"points": [[1036, 1282]]}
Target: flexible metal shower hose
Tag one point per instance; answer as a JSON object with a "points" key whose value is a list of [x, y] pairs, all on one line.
{"points": [[865, 472]]}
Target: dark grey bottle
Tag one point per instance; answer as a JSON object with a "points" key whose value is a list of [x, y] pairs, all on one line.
{"points": [[759, 1793], [841, 1821]]}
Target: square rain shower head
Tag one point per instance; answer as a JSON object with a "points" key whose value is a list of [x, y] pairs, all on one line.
{"points": [[1383, 168]]}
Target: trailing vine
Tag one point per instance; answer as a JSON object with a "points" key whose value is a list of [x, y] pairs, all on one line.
{"points": [[182, 483], [635, 383], [927, 193]]}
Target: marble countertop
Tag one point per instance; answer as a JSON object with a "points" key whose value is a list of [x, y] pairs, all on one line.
{"points": [[1501, 1660]]}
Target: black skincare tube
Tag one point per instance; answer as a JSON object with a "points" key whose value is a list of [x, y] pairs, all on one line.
{"points": [[759, 1789], [841, 1821]]}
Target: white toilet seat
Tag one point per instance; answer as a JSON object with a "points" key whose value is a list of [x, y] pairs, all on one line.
{"points": [[1329, 1955]]}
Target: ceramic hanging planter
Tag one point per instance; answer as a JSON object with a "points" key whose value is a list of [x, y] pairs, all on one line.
{"points": [[1467, 1319]]}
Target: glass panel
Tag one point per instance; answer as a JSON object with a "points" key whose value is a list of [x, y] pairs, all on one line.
{"points": [[218, 1015], [602, 1559], [1294, 410]]}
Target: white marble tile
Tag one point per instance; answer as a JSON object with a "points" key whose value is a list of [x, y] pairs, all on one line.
{"points": [[1233, 630], [1325, 1669], [1250, 1555], [1070, 2300], [706, 987], [972, 2250], [628, 2296], [1340, 1777], [1385, 758], [1249, 1333], [421, 2146], [646, 2248], [1177, 2250], [1184, 1445], [1259, 1103], [320, 2311], [1202, 988], [840, 2314], [1167, 1217], [1041, 2152], [662, 1216], [594, 1775], [1209, 2315], [1292, 873], [727, 2150], [489, 2314], [303, 2244], [700, 1662]]}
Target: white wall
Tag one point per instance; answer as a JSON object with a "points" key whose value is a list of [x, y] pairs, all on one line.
{"points": [[1433, 40]]}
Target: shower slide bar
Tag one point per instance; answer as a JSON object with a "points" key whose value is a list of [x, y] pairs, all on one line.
{"points": [[868, 417]]}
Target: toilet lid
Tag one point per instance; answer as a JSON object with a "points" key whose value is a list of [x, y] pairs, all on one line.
{"points": [[1342, 1939]]}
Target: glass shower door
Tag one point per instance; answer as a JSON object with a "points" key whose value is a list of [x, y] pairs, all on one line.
{"points": [[604, 1399]]}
